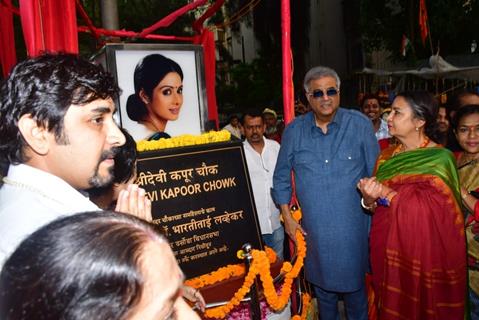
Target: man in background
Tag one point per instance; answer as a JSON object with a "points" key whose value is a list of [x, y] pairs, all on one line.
{"points": [[443, 125], [261, 154], [234, 126], [371, 107], [274, 128]]}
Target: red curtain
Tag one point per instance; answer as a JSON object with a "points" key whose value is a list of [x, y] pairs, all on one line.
{"points": [[49, 25], [206, 39], [8, 57]]}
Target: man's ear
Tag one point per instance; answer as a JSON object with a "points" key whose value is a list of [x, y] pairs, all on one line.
{"points": [[36, 137]]}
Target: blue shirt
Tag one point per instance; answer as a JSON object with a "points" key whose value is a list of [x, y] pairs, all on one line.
{"points": [[327, 168]]}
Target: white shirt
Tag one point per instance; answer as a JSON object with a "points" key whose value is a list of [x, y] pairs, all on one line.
{"points": [[261, 169], [236, 131], [383, 131], [31, 198]]}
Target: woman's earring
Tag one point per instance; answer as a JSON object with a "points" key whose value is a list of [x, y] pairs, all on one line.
{"points": [[417, 129]]}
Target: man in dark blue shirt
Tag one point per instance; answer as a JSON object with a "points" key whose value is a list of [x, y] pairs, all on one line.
{"points": [[329, 150]]}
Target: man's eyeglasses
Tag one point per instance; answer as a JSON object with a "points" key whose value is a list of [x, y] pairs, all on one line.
{"points": [[318, 93]]}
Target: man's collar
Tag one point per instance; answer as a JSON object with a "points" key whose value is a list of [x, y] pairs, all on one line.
{"points": [[337, 118], [51, 186], [246, 142]]}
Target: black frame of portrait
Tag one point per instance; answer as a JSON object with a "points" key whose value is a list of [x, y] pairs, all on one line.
{"points": [[121, 59]]}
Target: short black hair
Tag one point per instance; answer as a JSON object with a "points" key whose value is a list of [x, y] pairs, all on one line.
{"points": [[462, 112], [232, 117], [45, 87], [369, 96], [148, 73], [253, 112], [125, 159], [84, 266]]}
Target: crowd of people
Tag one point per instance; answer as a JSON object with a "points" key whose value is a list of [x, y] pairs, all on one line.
{"points": [[380, 195], [392, 198]]}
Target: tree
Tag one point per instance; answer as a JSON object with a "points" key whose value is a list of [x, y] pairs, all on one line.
{"points": [[252, 86], [259, 84], [135, 15], [453, 25]]}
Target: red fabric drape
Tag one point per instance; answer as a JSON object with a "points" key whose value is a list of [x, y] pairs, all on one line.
{"points": [[423, 23], [49, 25], [288, 96], [206, 39], [166, 21], [8, 57]]}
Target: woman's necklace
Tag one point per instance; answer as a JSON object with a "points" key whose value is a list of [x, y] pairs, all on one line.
{"points": [[401, 148]]}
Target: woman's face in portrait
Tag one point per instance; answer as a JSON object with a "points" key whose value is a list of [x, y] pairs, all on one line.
{"points": [[167, 98]]}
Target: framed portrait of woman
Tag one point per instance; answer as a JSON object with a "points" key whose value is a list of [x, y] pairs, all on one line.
{"points": [[163, 88]]}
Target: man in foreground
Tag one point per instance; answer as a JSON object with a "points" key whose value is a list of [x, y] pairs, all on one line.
{"points": [[57, 138]]}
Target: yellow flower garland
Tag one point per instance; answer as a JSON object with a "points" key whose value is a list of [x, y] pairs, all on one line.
{"points": [[224, 273], [183, 141], [260, 266], [305, 308]]}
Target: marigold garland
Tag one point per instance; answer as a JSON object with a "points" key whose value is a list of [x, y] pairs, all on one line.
{"points": [[224, 273], [183, 141], [260, 266], [297, 214], [304, 309]]}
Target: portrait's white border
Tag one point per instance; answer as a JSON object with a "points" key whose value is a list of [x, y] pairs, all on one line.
{"points": [[121, 59]]}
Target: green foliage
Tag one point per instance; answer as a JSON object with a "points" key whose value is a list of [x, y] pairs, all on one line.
{"points": [[232, 8], [136, 15], [259, 84], [251, 85]]}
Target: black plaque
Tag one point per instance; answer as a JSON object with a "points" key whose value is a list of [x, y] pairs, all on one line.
{"points": [[202, 200]]}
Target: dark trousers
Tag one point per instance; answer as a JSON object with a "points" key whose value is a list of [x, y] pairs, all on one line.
{"points": [[356, 304]]}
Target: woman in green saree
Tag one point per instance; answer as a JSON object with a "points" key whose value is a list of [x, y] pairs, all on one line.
{"points": [[466, 129], [417, 243]]}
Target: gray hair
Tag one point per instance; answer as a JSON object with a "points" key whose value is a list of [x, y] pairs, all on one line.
{"points": [[320, 72]]}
